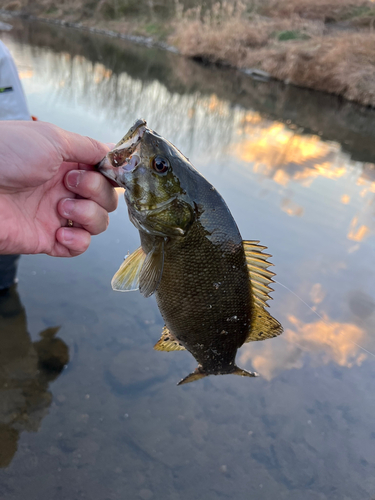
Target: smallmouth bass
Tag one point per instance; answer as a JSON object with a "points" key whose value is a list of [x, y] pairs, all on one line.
{"points": [[211, 286]]}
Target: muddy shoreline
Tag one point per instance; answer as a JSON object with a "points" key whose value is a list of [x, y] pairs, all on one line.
{"points": [[141, 40]]}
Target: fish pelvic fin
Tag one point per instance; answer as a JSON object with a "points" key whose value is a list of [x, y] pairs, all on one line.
{"points": [[168, 342], [260, 276], [127, 277], [263, 325], [197, 374]]}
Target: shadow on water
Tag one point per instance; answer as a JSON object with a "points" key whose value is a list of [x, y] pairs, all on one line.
{"points": [[311, 112], [26, 370]]}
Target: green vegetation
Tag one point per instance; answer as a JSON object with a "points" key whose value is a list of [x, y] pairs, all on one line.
{"points": [[359, 11], [52, 9], [284, 36]]}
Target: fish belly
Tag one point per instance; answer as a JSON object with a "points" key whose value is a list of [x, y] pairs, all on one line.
{"points": [[204, 296]]}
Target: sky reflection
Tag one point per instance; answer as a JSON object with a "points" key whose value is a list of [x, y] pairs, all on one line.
{"points": [[302, 170]]}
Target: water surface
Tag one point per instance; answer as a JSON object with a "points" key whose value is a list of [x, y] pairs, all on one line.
{"points": [[297, 171]]}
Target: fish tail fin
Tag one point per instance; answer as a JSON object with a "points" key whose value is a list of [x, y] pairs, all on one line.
{"points": [[244, 373], [198, 373], [192, 377]]}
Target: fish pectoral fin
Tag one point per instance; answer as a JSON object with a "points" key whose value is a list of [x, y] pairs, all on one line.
{"points": [[192, 377], [263, 325], [168, 342], [127, 277], [152, 270], [259, 275], [244, 373]]}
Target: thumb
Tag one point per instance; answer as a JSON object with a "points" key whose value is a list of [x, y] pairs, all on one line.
{"points": [[81, 149]]}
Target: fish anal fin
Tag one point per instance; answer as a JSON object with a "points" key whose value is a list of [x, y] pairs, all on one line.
{"points": [[152, 270], [192, 377], [260, 276], [244, 373], [263, 326], [127, 277], [168, 342]]}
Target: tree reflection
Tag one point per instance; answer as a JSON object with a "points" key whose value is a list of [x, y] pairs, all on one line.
{"points": [[26, 369]]}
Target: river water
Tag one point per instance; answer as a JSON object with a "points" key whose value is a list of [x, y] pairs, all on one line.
{"points": [[297, 171]]}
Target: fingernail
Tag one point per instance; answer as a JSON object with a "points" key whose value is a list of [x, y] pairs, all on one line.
{"points": [[68, 235], [73, 178], [68, 207]]}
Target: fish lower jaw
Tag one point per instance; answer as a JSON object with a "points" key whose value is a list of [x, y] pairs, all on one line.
{"points": [[106, 169], [118, 173]]}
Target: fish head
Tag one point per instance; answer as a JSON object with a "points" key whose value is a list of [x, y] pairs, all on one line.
{"points": [[150, 169]]}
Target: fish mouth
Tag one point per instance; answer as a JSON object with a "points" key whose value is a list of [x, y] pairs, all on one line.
{"points": [[124, 157]]}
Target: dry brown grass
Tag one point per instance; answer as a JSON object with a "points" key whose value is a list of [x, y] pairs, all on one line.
{"points": [[343, 64], [324, 10], [230, 41], [311, 56]]}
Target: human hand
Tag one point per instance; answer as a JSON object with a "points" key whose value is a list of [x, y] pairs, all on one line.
{"points": [[46, 178]]}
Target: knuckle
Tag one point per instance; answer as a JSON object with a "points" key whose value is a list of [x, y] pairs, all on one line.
{"points": [[92, 184], [96, 145], [114, 201], [87, 212], [101, 224]]}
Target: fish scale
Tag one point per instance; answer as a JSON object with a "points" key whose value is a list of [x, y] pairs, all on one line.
{"points": [[197, 303]]}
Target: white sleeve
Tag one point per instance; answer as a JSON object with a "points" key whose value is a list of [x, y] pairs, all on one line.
{"points": [[13, 104]]}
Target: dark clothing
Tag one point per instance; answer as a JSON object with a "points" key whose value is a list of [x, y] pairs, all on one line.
{"points": [[8, 270]]}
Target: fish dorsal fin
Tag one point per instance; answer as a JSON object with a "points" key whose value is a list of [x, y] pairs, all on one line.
{"points": [[260, 277], [127, 277], [168, 342], [152, 270], [263, 326]]}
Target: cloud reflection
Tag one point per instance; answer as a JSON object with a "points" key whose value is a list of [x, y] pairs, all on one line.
{"points": [[288, 158], [324, 341], [284, 155]]}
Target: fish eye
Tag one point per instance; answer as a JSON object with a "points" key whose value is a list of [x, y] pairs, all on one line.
{"points": [[160, 164]]}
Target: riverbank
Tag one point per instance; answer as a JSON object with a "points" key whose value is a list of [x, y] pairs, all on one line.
{"points": [[326, 45]]}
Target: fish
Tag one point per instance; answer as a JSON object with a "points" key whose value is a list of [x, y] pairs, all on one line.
{"points": [[211, 286]]}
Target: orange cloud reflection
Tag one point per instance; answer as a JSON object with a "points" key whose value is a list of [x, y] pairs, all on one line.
{"points": [[291, 208], [29, 73], [283, 155], [333, 341], [276, 152], [357, 232], [325, 341]]}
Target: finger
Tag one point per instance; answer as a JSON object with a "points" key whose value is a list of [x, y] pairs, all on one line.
{"points": [[81, 149], [84, 166], [87, 213], [94, 186], [74, 239]]}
